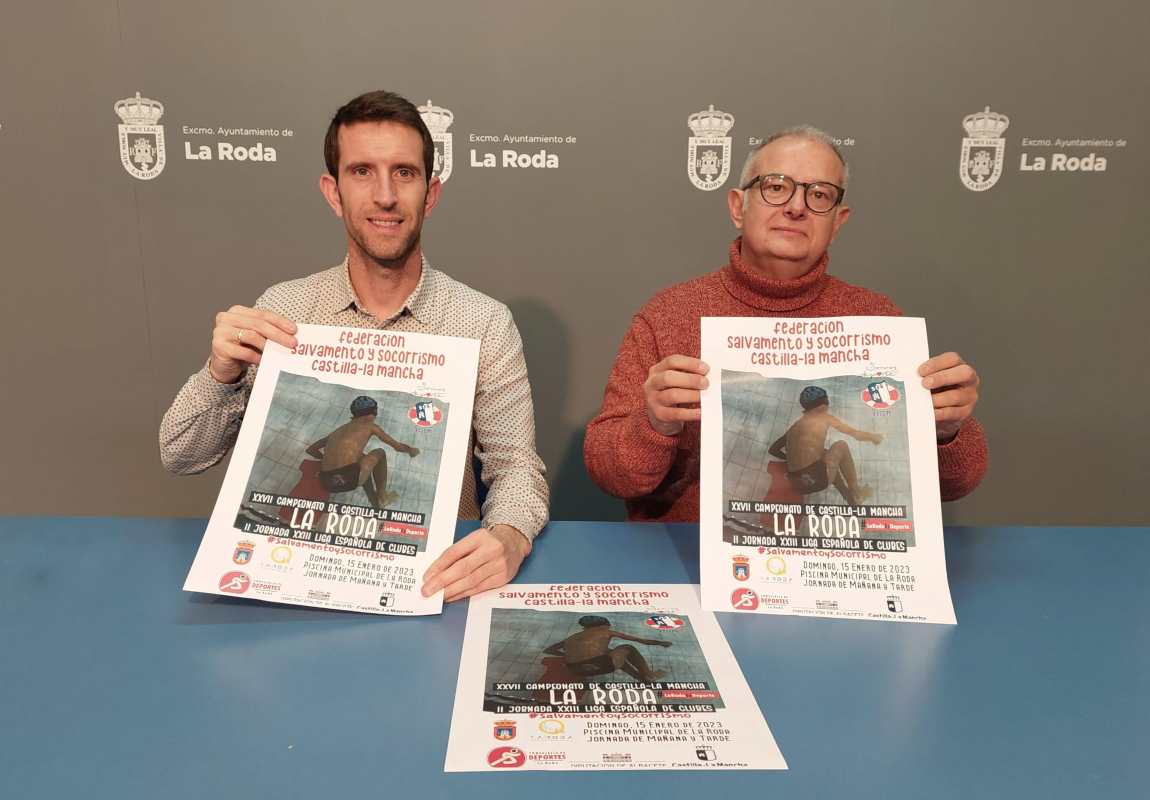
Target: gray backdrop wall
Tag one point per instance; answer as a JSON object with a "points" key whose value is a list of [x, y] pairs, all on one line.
{"points": [[111, 281]]}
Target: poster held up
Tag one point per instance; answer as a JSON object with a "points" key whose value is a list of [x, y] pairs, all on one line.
{"points": [[345, 479], [819, 489]]}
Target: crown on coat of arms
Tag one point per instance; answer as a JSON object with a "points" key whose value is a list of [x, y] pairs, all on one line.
{"points": [[985, 124], [437, 119], [139, 110], [710, 123]]}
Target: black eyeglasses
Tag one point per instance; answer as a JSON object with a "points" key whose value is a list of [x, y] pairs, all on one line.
{"points": [[777, 190]]}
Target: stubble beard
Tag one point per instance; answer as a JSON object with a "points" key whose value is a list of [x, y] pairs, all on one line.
{"points": [[386, 260]]}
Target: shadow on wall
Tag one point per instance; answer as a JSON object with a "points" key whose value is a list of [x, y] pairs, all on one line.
{"points": [[547, 348]]}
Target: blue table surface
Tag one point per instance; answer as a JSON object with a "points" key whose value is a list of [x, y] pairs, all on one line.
{"points": [[114, 683]]}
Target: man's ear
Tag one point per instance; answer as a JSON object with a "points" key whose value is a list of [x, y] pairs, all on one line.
{"points": [[433, 190], [330, 190], [735, 206], [840, 220]]}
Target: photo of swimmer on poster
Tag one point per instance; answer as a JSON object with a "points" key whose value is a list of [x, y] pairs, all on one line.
{"points": [[341, 461], [807, 461], [591, 662]]}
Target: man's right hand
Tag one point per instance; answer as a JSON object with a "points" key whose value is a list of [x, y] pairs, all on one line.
{"points": [[673, 382], [239, 338]]}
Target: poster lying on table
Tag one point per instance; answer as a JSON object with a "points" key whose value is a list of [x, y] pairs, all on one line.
{"points": [[819, 487], [601, 677], [344, 484]]}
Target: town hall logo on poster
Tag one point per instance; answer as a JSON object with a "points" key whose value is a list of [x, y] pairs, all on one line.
{"points": [[141, 136], [438, 120], [709, 149], [983, 149]]}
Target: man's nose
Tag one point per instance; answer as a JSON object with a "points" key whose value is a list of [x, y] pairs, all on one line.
{"points": [[797, 206], [385, 194]]}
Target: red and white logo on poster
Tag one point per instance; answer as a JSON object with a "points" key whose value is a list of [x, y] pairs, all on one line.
{"points": [[505, 757], [425, 414], [235, 582], [744, 600], [880, 395]]}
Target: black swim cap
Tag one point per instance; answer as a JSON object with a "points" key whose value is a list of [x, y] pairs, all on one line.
{"points": [[592, 621], [813, 396], [363, 405]]}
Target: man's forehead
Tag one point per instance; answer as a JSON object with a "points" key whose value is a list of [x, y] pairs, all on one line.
{"points": [[380, 137], [801, 158]]}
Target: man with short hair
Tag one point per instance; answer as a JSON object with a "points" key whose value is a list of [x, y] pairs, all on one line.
{"points": [[379, 157], [643, 445]]}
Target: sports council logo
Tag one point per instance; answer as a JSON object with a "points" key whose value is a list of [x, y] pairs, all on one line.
{"points": [[664, 622], [141, 136], [983, 150], [425, 414], [744, 600], [234, 582], [438, 120], [880, 395], [506, 757], [243, 552], [709, 149]]}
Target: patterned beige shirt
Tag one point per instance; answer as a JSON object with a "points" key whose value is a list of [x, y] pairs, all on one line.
{"points": [[204, 419]]}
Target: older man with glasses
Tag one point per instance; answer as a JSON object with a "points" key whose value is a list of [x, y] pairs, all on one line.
{"points": [[643, 446]]}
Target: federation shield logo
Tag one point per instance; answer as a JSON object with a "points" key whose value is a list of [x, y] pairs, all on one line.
{"points": [[505, 730], [880, 395], [741, 568], [983, 150], [709, 149], [438, 120], [425, 414], [664, 622], [142, 149]]}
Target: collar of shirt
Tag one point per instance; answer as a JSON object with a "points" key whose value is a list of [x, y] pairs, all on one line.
{"points": [[340, 295]]}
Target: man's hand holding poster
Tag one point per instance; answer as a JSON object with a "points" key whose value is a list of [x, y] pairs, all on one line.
{"points": [[344, 484], [819, 482]]}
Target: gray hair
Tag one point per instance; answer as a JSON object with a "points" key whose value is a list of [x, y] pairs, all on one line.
{"points": [[808, 132]]}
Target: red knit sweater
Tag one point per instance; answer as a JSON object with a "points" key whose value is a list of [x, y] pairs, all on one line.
{"points": [[658, 475]]}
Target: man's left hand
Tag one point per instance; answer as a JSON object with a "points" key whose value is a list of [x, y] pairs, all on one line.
{"points": [[484, 559], [953, 386]]}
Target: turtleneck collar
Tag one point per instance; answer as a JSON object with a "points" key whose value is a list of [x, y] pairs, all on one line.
{"points": [[770, 294]]}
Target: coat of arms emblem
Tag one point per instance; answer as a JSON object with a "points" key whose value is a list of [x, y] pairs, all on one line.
{"points": [[709, 149], [243, 552], [141, 136], [505, 729], [741, 568], [438, 120], [983, 149]]}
